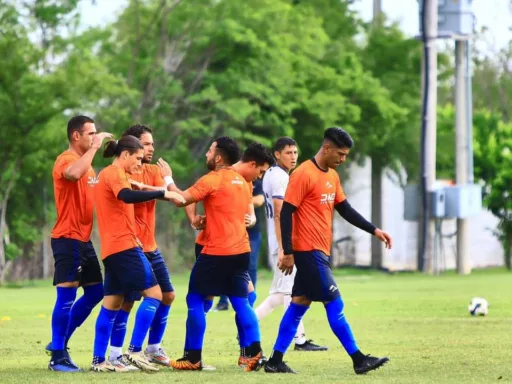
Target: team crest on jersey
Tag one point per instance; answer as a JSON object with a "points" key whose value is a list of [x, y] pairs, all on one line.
{"points": [[237, 180], [328, 185]]}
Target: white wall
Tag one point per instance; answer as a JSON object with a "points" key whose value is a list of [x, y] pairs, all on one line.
{"points": [[485, 250]]}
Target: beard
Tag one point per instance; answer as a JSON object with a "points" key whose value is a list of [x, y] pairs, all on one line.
{"points": [[210, 164]]}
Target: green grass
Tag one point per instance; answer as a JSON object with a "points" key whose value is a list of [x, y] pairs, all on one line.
{"points": [[420, 322]]}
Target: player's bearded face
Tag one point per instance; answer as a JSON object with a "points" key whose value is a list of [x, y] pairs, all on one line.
{"points": [[149, 147]]}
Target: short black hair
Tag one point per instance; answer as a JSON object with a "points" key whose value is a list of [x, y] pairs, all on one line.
{"points": [[259, 154], [339, 137], [283, 142], [114, 148], [137, 130], [228, 149], [76, 124]]}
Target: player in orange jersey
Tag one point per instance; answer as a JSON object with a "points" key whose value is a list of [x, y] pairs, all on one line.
{"points": [[76, 263], [222, 267], [152, 175], [314, 192], [127, 269]]}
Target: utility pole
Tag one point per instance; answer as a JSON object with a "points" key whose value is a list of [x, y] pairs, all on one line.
{"points": [[376, 176], [462, 148], [431, 129]]}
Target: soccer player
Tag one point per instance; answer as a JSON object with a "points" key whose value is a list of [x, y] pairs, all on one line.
{"points": [[313, 192], [275, 182], [127, 269], [222, 266], [150, 175], [76, 263]]}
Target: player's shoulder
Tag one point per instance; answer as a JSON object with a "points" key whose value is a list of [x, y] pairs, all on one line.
{"points": [[304, 171], [150, 168], [66, 156]]}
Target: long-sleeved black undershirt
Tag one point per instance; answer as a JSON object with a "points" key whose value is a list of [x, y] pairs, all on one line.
{"points": [[344, 209], [129, 196]]}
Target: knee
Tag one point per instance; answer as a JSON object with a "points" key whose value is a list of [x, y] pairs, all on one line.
{"points": [[127, 306], [154, 292], [336, 305], [168, 297], [301, 300], [195, 302], [94, 293]]}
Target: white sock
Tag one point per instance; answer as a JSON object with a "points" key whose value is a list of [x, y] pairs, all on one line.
{"points": [[269, 304], [115, 353], [300, 336], [153, 348]]}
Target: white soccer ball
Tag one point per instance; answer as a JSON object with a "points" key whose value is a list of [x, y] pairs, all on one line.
{"points": [[478, 306]]}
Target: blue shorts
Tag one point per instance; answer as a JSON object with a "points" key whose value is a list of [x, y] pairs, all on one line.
{"points": [[314, 277], [75, 260], [161, 273], [220, 275], [128, 271], [198, 249]]}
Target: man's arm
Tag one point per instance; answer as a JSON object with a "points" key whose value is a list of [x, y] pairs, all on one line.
{"points": [[80, 167], [357, 220], [278, 205], [258, 201], [250, 217], [286, 264]]}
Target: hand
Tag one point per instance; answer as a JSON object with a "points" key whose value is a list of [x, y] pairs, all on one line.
{"points": [[99, 137], [250, 220], [280, 256], [199, 222], [136, 185], [165, 168], [175, 197], [384, 237], [286, 264]]}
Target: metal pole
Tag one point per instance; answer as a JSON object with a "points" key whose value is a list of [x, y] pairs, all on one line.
{"points": [[461, 151], [377, 8], [469, 110], [431, 136]]}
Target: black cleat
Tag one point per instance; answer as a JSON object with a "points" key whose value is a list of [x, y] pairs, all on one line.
{"points": [[221, 307], [278, 368], [370, 363], [309, 346]]}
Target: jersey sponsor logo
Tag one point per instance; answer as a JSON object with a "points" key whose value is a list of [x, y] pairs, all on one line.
{"points": [[328, 185], [326, 198], [92, 181]]}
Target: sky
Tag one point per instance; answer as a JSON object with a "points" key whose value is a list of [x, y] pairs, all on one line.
{"points": [[494, 14]]}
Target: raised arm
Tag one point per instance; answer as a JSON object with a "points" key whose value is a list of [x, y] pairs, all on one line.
{"points": [[76, 170]]}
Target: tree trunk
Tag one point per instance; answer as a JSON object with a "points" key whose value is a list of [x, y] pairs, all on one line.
{"points": [[4, 229], [376, 212]]}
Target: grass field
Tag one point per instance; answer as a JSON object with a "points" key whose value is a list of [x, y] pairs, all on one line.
{"points": [[420, 322]]}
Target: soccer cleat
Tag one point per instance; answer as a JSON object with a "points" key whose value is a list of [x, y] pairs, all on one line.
{"points": [[278, 368], [242, 361], [105, 366], [184, 364], [140, 361], [64, 364], [255, 363], [122, 364], [49, 349], [159, 357], [370, 363], [221, 307], [206, 367], [309, 346]]}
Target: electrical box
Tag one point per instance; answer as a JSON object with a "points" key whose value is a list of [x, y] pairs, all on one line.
{"points": [[455, 17], [412, 204], [463, 201]]}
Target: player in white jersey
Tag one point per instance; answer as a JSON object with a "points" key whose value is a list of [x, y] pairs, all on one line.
{"points": [[275, 183]]}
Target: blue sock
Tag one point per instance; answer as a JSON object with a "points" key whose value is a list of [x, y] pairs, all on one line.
{"points": [[208, 304], [242, 339], [196, 322], [340, 326], [119, 329], [143, 319], [252, 298], [104, 324], [60, 317], [248, 322], [156, 333], [83, 307], [289, 325]]}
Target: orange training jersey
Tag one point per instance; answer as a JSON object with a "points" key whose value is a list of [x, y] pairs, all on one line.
{"points": [[314, 193], [74, 200], [202, 237], [116, 219], [145, 212], [226, 198]]}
